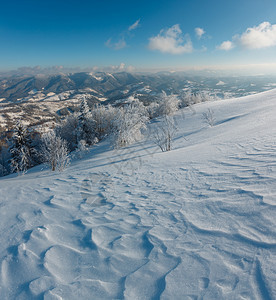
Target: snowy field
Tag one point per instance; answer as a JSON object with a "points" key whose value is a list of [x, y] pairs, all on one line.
{"points": [[197, 222]]}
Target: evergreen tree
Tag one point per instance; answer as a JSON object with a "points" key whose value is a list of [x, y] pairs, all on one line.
{"points": [[21, 149], [5, 157], [85, 128]]}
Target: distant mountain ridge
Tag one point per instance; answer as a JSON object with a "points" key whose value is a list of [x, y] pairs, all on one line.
{"points": [[14, 88], [119, 85]]}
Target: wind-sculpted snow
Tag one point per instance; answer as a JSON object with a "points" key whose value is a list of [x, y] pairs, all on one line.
{"points": [[194, 223]]}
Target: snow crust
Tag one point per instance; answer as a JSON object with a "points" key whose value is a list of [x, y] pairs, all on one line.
{"points": [[194, 223]]}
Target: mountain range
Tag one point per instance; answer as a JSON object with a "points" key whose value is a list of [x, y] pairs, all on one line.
{"points": [[44, 98]]}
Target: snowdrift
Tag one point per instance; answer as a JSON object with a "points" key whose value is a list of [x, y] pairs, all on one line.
{"points": [[196, 222]]}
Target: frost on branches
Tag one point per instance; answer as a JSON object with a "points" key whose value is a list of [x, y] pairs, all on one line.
{"points": [[102, 117], [128, 124], [168, 105], [54, 151]]}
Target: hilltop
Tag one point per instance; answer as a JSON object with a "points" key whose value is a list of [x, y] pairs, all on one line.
{"points": [[136, 223]]}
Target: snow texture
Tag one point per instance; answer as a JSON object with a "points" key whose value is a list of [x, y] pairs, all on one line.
{"points": [[197, 222]]}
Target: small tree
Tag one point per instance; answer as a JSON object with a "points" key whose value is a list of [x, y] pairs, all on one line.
{"points": [[208, 117], [164, 134], [81, 149], [128, 123], [21, 149], [185, 98], [54, 151], [85, 127]]}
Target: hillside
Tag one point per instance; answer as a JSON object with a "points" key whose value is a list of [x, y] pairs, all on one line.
{"points": [[135, 223]]}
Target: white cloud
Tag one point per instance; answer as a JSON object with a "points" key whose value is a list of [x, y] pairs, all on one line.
{"points": [[261, 36], [257, 37], [134, 25], [199, 32], [171, 41], [120, 68], [227, 45], [121, 43], [116, 46]]}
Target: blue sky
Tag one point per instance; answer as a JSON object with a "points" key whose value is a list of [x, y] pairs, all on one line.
{"points": [[140, 35]]}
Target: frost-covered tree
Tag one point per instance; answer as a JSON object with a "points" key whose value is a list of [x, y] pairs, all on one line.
{"points": [[81, 149], [102, 117], [128, 124], [168, 105], [54, 151], [84, 130], [21, 149], [188, 98]]}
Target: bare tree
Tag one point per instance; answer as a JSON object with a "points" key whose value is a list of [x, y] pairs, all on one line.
{"points": [[164, 134], [209, 117]]}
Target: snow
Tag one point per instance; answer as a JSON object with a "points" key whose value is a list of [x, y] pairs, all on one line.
{"points": [[2, 120], [109, 74], [197, 222], [99, 78], [145, 89], [33, 92], [89, 90], [102, 99]]}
